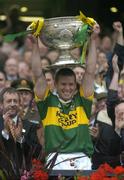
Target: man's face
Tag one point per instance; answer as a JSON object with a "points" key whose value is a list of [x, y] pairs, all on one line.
{"points": [[44, 63], [101, 58], [11, 67], [66, 87], [79, 72], [25, 97], [101, 104], [119, 112], [11, 103], [106, 43], [23, 70]]}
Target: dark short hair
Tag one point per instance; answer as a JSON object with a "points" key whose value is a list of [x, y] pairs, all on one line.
{"points": [[46, 58], [119, 102], [64, 72], [9, 90], [83, 66]]}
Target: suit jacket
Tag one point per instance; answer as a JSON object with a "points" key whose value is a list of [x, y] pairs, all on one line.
{"points": [[11, 150], [31, 145], [30, 125], [112, 101], [106, 146]]}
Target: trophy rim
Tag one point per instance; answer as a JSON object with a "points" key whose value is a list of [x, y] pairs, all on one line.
{"points": [[63, 17]]}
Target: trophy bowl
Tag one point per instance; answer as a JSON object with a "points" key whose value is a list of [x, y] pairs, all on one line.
{"points": [[58, 33]]}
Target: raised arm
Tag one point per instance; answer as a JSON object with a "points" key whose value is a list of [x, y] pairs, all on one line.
{"points": [[88, 80], [112, 98], [118, 49], [39, 78], [114, 82]]}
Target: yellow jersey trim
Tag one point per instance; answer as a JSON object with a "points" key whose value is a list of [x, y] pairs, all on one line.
{"points": [[82, 94], [37, 99]]}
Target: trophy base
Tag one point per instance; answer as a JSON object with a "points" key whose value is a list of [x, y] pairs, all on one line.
{"points": [[61, 64]]}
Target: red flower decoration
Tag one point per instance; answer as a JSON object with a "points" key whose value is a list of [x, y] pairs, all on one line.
{"points": [[119, 170], [96, 176], [107, 168], [40, 175], [38, 171], [106, 172]]}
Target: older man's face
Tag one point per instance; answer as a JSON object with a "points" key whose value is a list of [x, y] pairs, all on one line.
{"points": [[11, 103]]}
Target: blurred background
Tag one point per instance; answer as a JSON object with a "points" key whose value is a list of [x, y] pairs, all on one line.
{"points": [[104, 11]]}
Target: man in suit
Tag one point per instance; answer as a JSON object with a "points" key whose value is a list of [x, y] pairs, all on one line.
{"points": [[11, 129]]}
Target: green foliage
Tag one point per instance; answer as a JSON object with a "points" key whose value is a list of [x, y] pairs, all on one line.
{"points": [[12, 37]]}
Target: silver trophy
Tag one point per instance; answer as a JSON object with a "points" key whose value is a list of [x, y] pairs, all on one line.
{"points": [[58, 33]]}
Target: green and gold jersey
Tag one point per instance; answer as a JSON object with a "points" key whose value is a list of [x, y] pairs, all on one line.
{"points": [[66, 125]]}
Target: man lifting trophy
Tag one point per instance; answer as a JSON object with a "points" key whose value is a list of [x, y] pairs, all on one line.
{"points": [[65, 112]]}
